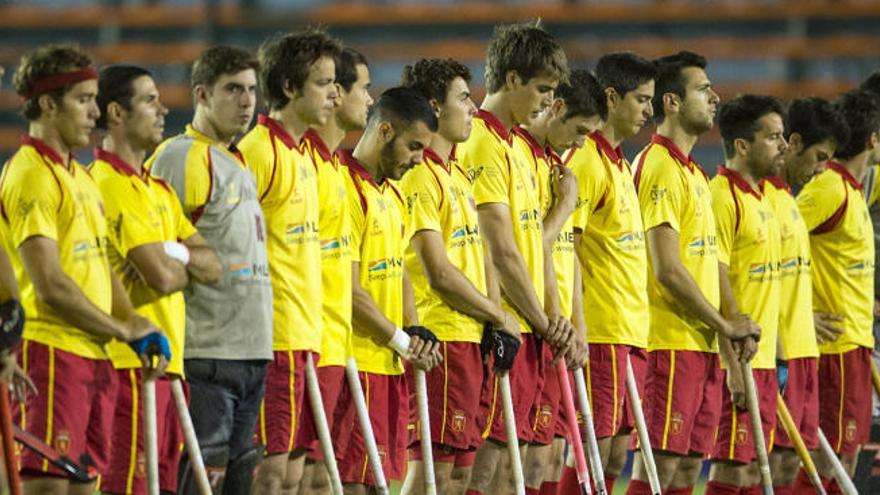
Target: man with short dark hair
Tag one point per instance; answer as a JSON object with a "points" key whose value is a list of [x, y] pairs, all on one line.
{"points": [[155, 250], [842, 249], [228, 325], [385, 322], [54, 229]]}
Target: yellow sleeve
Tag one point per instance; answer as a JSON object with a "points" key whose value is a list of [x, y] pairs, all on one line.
{"points": [[259, 155], [358, 218], [491, 172], [592, 184], [660, 195], [185, 229], [872, 174], [724, 208], [198, 184], [821, 198], [129, 222], [423, 199], [31, 198]]}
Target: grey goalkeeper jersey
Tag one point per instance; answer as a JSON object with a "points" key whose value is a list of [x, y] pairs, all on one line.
{"points": [[233, 319]]}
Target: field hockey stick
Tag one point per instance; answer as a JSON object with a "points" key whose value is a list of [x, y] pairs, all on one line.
{"points": [[519, 481], [74, 471], [9, 457], [843, 480], [799, 446], [323, 429], [590, 431], [642, 429], [151, 441], [573, 431], [189, 435], [757, 429], [425, 432], [357, 394]]}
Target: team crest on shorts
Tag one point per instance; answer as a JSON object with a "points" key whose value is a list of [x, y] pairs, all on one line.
{"points": [[850, 430], [458, 420], [545, 416], [140, 468], [742, 434], [675, 423], [62, 442]]}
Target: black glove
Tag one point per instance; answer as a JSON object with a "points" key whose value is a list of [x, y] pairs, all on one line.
{"points": [[501, 345], [11, 323], [421, 332]]}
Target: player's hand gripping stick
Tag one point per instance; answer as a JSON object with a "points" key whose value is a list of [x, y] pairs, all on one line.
{"points": [[503, 349]]}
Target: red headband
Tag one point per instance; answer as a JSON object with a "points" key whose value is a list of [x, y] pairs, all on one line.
{"points": [[59, 81]]}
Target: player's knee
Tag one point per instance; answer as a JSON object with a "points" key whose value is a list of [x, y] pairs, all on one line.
{"points": [[47, 486]]}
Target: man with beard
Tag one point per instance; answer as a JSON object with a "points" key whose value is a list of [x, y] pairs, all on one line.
{"points": [[842, 249], [748, 254], [682, 391], [228, 325], [524, 64], [155, 250], [297, 74], [813, 130], [399, 129], [334, 228]]}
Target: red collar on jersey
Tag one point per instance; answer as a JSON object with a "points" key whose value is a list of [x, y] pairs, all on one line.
{"points": [[313, 137], [533, 143], [777, 181], [432, 155], [45, 150], [355, 166], [673, 149], [115, 161], [277, 129], [843, 172], [494, 123], [58, 81], [740, 182], [613, 154]]}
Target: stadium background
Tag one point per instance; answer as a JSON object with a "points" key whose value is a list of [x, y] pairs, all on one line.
{"points": [[786, 48]]}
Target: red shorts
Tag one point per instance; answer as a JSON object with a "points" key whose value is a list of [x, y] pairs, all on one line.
{"points": [[605, 374], [127, 472], [331, 380], [73, 408], [526, 381], [801, 396], [682, 400], [284, 404], [735, 441], [844, 399], [546, 412], [387, 398], [452, 387]]}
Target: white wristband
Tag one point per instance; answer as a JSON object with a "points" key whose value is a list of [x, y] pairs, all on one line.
{"points": [[399, 342], [177, 251]]}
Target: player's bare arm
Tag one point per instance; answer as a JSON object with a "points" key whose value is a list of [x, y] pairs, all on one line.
{"points": [[422, 354], [39, 255], [453, 288], [513, 276], [8, 284], [563, 184], [663, 242], [731, 356], [577, 315], [158, 270], [204, 265]]}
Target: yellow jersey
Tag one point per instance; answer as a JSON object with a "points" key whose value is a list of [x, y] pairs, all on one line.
{"points": [[334, 228], [379, 237], [140, 210], [748, 243], [797, 331], [287, 184], [611, 251], [842, 248], [543, 159], [439, 198], [502, 173], [674, 191], [41, 196]]}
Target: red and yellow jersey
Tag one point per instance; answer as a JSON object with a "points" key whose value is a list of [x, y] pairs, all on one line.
{"points": [[748, 243], [797, 331], [287, 183], [611, 251], [502, 173], [334, 228], [379, 238], [543, 159], [439, 198], [140, 210], [41, 196], [842, 248], [674, 191]]}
